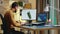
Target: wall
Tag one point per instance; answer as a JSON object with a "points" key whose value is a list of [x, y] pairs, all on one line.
{"points": [[33, 2], [3, 8]]}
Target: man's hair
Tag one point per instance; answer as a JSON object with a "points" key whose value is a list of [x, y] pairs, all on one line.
{"points": [[14, 4]]}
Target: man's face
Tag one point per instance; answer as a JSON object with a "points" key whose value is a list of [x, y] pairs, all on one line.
{"points": [[16, 7]]}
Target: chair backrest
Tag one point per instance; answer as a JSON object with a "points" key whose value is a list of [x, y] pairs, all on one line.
{"points": [[3, 22], [2, 18]]}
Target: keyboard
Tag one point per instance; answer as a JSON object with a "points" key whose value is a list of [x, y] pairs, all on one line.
{"points": [[35, 24]]}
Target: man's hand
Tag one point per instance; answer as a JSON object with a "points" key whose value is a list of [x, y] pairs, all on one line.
{"points": [[23, 23]]}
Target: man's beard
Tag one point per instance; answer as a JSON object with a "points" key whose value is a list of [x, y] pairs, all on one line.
{"points": [[15, 11]]}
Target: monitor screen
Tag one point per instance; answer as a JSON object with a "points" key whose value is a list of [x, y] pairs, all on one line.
{"points": [[29, 14], [42, 17]]}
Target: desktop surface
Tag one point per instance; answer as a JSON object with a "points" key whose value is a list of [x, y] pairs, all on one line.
{"points": [[40, 27]]}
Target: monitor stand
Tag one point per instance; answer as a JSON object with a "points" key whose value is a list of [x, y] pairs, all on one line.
{"points": [[30, 22]]}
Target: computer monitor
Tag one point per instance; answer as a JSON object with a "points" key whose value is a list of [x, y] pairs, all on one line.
{"points": [[29, 14], [42, 17]]}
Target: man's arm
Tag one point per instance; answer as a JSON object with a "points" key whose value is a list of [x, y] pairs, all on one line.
{"points": [[13, 20]]}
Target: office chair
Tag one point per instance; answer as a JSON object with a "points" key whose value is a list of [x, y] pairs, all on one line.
{"points": [[2, 25], [2, 21]]}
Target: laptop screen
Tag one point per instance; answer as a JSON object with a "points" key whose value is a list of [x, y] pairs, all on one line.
{"points": [[42, 17]]}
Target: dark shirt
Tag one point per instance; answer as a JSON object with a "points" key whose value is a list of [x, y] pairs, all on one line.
{"points": [[8, 20]]}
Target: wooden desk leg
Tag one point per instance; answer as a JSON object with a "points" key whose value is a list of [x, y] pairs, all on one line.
{"points": [[42, 32], [32, 32], [37, 32], [56, 31]]}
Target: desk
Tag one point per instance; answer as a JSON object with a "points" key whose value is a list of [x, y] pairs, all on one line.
{"points": [[40, 28]]}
